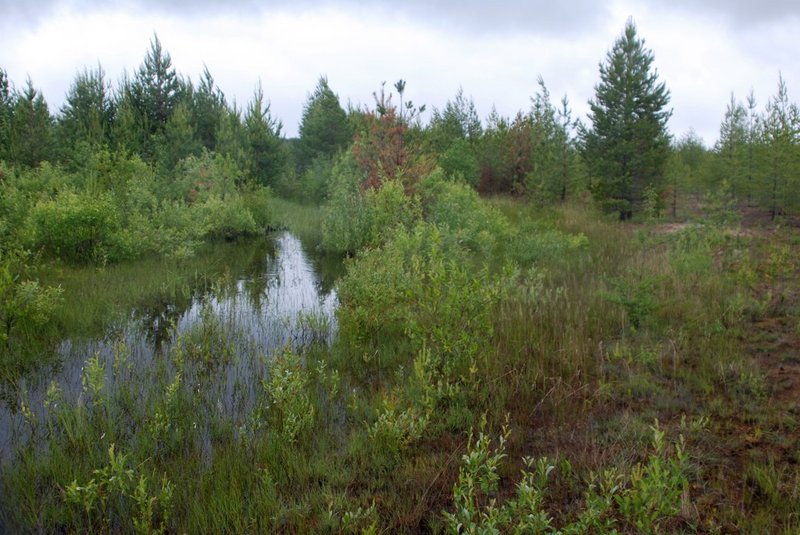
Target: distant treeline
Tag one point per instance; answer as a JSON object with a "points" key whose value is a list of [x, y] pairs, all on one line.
{"points": [[163, 118]]}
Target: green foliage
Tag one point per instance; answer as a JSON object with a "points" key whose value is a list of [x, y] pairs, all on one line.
{"points": [[178, 140], [651, 494], [289, 407], [78, 227], [782, 137], [458, 208], [30, 136], [314, 183], [88, 112], [198, 178], [459, 162], [6, 113], [356, 218], [417, 290], [627, 147], [208, 109], [114, 497], [26, 310], [149, 100], [478, 480], [552, 167], [226, 218], [324, 130], [458, 121], [637, 298], [258, 201], [264, 147]]}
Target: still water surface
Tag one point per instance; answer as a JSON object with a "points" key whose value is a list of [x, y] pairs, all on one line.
{"points": [[279, 293]]}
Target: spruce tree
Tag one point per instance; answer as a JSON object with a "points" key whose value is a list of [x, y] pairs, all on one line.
{"points": [[626, 149]]}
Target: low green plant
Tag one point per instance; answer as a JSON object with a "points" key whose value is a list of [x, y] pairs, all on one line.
{"points": [[417, 291], [115, 498], [26, 307], [650, 495], [638, 298], [290, 409]]}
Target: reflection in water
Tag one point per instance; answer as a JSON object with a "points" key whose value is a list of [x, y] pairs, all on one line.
{"points": [[275, 298]]}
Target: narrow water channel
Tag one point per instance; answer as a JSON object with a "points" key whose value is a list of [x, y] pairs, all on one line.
{"points": [[281, 297]]}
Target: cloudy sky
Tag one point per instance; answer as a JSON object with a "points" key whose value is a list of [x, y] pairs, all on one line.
{"points": [[704, 49]]}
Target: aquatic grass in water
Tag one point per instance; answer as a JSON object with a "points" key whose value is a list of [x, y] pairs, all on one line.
{"points": [[217, 337]]}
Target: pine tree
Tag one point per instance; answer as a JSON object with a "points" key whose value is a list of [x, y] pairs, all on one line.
{"points": [[731, 148], [208, 108], [552, 161], [453, 134], [88, 112], [782, 139], [154, 92], [30, 139], [6, 111], [457, 121], [324, 129], [627, 147], [264, 147], [178, 139]]}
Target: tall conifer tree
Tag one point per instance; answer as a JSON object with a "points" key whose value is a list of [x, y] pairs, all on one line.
{"points": [[627, 147]]}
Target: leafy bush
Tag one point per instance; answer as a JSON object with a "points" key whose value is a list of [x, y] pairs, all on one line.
{"points": [[474, 224], [197, 178], [258, 201], [355, 219], [532, 242], [76, 227], [649, 496], [226, 218], [26, 308], [417, 290], [313, 183], [460, 163]]}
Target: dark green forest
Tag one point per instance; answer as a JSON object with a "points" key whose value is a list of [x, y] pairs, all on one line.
{"points": [[546, 324]]}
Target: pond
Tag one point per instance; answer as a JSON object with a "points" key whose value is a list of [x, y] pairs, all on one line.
{"points": [[245, 302]]}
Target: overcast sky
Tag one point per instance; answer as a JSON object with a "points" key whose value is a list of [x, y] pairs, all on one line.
{"points": [[704, 49]]}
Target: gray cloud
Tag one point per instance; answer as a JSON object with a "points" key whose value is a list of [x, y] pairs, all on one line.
{"points": [[743, 13], [477, 16]]}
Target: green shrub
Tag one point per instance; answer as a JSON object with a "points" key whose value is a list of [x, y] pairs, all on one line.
{"points": [[651, 494], [26, 308], [312, 185], [460, 163], [76, 227], [258, 201], [474, 224], [226, 218], [355, 219], [197, 178], [416, 291]]}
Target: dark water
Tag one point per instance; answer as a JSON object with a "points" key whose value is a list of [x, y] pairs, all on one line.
{"points": [[274, 293]]}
